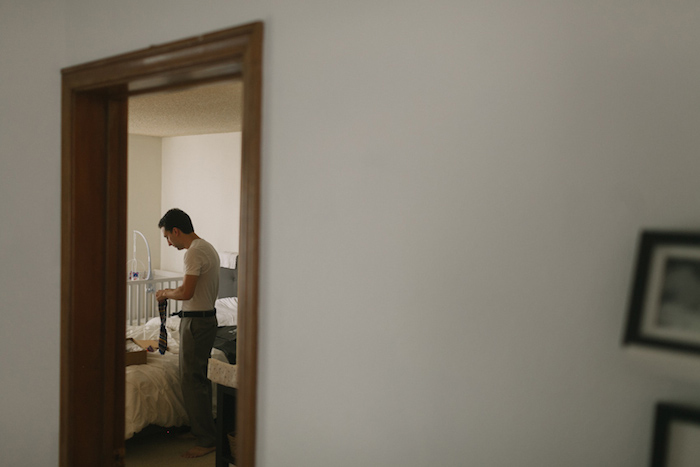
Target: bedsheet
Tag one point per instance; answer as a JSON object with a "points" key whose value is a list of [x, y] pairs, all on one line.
{"points": [[153, 395]]}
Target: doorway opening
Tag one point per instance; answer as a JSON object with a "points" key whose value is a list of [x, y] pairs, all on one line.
{"points": [[184, 151], [94, 230]]}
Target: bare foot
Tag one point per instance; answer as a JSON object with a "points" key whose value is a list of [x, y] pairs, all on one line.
{"points": [[198, 451]]}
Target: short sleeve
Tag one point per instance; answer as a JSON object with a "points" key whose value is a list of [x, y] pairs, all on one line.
{"points": [[193, 262]]}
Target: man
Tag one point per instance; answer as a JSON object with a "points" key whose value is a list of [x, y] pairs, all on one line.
{"points": [[198, 324]]}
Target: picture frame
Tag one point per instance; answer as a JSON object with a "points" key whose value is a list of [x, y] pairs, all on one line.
{"points": [[664, 306], [676, 436]]}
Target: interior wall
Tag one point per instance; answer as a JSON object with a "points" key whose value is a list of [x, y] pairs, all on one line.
{"points": [[451, 197], [202, 176], [144, 199], [32, 51]]}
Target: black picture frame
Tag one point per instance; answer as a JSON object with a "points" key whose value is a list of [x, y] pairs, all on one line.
{"points": [[676, 436], [664, 306]]}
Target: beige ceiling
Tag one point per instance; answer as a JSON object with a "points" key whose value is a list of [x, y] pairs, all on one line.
{"points": [[212, 108]]}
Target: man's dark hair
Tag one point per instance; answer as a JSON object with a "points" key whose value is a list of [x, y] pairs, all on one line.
{"points": [[176, 218]]}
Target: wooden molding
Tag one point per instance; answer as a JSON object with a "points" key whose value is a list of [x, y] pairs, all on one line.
{"points": [[93, 231]]}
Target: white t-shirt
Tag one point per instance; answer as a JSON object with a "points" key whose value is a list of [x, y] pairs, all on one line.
{"points": [[201, 259]]}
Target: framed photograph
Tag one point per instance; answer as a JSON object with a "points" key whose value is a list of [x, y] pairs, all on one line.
{"points": [[664, 308], [676, 441]]}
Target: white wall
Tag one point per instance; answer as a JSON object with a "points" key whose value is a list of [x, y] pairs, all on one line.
{"points": [[202, 176], [32, 50], [450, 202], [145, 154], [199, 174]]}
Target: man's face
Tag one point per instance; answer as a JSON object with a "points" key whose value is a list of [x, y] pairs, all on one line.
{"points": [[173, 237]]}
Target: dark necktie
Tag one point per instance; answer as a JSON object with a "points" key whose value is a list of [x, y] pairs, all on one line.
{"points": [[163, 338]]}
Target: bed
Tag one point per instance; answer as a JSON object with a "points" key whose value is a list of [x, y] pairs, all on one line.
{"points": [[152, 394]]}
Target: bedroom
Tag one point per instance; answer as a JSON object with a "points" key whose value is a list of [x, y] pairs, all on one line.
{"points": [[184, 138]]}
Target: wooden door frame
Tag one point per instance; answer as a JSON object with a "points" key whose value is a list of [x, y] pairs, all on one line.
{"points": [[93, 231]]}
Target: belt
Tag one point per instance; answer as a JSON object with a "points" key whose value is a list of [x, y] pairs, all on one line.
{"points": [[195, 314]]}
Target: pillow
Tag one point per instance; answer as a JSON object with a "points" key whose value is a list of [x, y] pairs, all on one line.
{"points": [[228, 282], [228, 259], [227, 311]]}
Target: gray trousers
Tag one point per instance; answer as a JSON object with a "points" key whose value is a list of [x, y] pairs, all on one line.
{"points": [[196, 340]]}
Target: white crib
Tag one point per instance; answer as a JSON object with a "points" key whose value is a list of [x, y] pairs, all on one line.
{"points": [[141, 299]]}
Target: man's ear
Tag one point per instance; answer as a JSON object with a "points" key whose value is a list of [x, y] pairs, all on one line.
{"points": [[176, 231]]}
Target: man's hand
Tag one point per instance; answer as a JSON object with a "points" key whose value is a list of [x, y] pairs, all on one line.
{"points": [[184, 292], [160, 295]]}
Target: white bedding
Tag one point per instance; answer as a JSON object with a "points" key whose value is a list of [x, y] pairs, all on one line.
{"points": [[153, 394]]}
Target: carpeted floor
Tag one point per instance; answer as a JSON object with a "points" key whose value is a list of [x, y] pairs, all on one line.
{"points": [[156, 447]]}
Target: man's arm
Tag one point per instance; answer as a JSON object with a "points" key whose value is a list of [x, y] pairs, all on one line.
{"points": [[184, 292]]}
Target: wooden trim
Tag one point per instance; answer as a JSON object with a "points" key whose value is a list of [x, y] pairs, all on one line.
{"points": [[247, 353], [220, 51], [66, 266], [115, 277], [88, 396], [93, 231]]}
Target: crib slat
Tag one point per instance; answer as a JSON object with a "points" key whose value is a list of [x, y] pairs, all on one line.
{"points": [[141, 299]]}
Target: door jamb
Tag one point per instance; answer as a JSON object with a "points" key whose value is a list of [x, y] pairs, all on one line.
{"points": [[93, 231]]}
